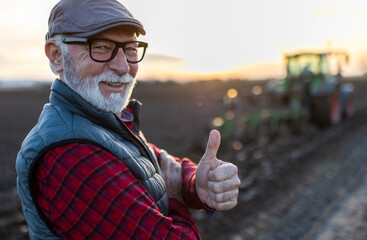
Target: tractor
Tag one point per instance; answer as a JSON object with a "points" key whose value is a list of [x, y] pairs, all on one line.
{"points": [[310, 90]]}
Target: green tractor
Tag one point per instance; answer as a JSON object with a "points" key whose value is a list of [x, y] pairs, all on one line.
{"points": [[310, 90]]}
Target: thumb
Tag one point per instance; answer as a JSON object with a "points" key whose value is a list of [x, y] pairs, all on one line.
{"points": [[212, 146]]}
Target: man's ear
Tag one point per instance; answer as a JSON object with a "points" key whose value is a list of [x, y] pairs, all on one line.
{"points": [[53, 52]]}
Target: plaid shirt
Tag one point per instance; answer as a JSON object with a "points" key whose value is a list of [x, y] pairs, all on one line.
{"points": [[87, 193]]}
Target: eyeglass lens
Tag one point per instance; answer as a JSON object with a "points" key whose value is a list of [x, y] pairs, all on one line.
{"points": [[104, 50]]}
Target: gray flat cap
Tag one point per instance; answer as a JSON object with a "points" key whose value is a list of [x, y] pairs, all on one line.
{"points": [[84, 18]]}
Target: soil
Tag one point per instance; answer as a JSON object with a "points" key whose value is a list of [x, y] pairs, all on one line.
{"points": [[309, 185]]}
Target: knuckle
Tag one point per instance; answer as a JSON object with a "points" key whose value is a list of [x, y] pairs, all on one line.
{"points": [[238, 182], [217, 188], [174, 164], [236, 193], [215, 176], [214, 187], [225, 205], [232, 196], [163, 153], [231, 205], [218, 198], [178, 165], [218, 206], [179, 168], [235, 168]]}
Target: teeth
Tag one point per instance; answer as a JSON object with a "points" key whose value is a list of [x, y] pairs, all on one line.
{"points": [[113, 84]]}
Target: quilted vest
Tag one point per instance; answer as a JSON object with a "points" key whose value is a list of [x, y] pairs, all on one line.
{"points": [[69, 118]]}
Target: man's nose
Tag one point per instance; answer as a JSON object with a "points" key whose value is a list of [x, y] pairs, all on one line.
{"points": [[119, 63]]}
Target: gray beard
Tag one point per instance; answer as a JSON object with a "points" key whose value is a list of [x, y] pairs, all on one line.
{"points": [[89, 90]]}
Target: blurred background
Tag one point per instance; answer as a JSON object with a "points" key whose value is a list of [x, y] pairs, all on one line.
{"points": [[191, 40], [283, 81]]}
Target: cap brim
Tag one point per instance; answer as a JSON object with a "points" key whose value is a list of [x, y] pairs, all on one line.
{"points": [[137, 26]]}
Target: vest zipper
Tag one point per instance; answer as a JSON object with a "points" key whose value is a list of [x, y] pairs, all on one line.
{"points": [[147, 152]]}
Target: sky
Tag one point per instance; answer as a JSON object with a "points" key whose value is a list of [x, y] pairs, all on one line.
{"points": [[205, 39]]}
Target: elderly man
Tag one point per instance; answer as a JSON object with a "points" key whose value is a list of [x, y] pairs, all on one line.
{"points": [[85, 171]]}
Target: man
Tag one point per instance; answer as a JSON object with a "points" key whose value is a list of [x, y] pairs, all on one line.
{"points": [[85, 170]]}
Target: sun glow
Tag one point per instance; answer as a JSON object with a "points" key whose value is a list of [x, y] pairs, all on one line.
{"points": [[238, 39]]}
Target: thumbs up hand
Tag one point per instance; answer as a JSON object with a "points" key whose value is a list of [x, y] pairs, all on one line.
{"points": [[217, 182]]}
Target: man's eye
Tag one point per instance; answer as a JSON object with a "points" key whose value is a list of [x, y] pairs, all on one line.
{"points": [[131, 50], [102, 47]]}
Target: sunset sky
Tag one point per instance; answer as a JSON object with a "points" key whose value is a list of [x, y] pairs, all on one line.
{"points": [[202, 39]]}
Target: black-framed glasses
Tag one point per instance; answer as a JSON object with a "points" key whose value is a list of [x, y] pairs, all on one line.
{"points": [[104, 50]]}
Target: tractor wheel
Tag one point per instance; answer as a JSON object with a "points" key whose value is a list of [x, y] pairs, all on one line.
{"points": [[349, 107], [327, 110]]}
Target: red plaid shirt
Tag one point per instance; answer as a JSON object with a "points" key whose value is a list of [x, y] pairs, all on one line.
{"points": [[87, 193]]}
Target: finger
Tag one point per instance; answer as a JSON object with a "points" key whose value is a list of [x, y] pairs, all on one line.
{"points": [[224, 186], [178, 170], [175, 173], [162, 154], [163, 157], [166, 163], [174, 164], [212, 145], [224, 197], [225, 206], [223, 172]]}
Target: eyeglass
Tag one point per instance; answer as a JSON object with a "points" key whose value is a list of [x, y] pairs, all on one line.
{"points": [[104, 50]]}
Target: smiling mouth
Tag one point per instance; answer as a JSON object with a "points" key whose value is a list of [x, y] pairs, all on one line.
{"points": [[114, 84]]}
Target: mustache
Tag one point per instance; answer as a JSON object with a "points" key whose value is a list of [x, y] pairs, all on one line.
{"points": [[113, 78]]}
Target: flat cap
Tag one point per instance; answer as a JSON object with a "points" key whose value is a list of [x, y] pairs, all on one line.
{"points": [[84, 18]]}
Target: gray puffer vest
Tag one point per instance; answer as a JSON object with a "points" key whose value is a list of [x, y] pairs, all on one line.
{"points": [[69, 118]]}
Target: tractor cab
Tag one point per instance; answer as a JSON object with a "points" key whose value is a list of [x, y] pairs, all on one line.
{"points": [[309, 70], [310, 85]]}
